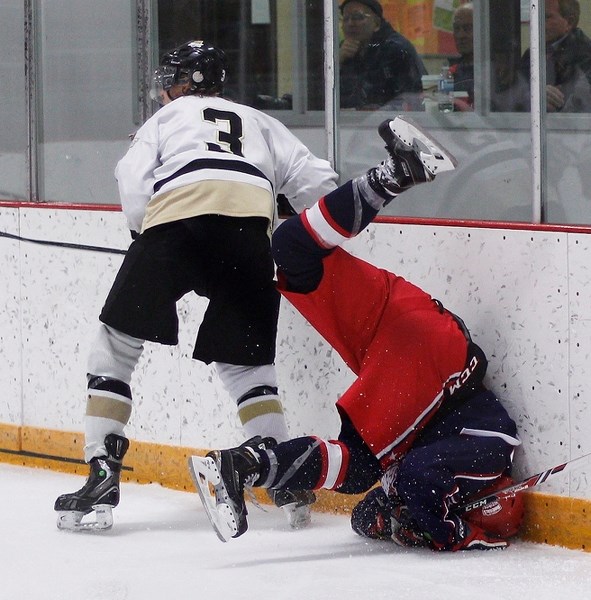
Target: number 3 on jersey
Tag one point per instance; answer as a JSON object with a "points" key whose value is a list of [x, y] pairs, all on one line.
{"points": [[229, 127]]}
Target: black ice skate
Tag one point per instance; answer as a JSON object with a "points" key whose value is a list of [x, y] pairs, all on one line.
{"points": [[228, 472], [100, 493], [414, 157], [295, 504]]}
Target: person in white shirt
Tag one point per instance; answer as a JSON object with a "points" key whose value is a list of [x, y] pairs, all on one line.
{"points": [[198, 187]]}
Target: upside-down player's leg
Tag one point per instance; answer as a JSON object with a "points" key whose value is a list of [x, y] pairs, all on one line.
{"points": [[345, 465], [305, 247], [254, 389], [301, 243]]}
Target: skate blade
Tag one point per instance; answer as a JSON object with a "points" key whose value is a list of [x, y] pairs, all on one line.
{"points": [[298, 517], [434, 156], [71, 520], [210, 488]]}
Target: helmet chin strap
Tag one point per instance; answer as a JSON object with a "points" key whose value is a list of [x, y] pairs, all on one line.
{"points": [[163, 98], [168, 98]]}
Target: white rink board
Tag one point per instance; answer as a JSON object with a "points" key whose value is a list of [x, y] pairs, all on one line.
{"points": [[10, 321], [521, 293]]}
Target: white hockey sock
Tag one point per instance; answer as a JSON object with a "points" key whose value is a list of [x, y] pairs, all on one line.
{"points": [[114, 354], [254, 389]]}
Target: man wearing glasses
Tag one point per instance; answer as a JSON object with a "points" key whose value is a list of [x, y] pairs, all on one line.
{"points": [[379, 67]]}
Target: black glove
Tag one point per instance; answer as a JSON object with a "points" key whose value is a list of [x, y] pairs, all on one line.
{"points": [[372, 517]]}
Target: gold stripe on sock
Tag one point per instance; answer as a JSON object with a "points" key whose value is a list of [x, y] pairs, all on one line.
{"points": [[258, 409], [108, 408]]}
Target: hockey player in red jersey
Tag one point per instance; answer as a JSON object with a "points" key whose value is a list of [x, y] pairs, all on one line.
{"points": [[417, 417]]}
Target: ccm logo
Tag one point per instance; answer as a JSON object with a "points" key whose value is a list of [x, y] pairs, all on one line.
{"points": [[464, 376]]}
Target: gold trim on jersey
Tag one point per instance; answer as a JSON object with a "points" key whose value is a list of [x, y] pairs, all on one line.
{"points": [[218, 197]]}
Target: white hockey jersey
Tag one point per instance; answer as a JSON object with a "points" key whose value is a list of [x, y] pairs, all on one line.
{"points": [[207, 155]]}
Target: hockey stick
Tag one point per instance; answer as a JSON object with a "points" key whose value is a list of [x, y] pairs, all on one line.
{"points": [[520, 486]]}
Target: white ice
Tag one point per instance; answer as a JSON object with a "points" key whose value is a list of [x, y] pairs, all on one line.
{"points": [[162, 547]]}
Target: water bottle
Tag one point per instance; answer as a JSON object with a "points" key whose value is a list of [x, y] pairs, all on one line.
{"points": [[446, 90]]}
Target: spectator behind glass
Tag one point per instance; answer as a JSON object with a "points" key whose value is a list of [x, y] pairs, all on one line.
{"points": [[379, 67], [568, 59], [462, 68]]}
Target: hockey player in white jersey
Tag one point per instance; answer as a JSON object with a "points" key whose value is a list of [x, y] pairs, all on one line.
{"points": [[198, 187]]}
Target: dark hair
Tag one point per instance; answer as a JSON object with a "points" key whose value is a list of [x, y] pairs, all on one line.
{"points": [[373, 5], [570, 10]]}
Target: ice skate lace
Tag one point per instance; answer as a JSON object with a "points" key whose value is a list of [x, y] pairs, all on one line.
{"points": [[249, 493], [387, 174]]}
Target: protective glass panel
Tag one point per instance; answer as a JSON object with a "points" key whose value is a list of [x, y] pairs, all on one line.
{"points": [[13, 124], [274, 48], [86, 86], [476, 100], [568, 118], [454, 98]]}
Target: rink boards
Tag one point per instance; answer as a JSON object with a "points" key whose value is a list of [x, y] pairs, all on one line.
{"points": [[523, 294]]}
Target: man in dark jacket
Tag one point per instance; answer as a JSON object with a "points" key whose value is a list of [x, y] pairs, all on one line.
{"points": [[568, 59], [462, 67], [379, 67]]}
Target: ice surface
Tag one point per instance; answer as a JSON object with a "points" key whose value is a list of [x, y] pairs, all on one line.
{"points": [[162, 547]]}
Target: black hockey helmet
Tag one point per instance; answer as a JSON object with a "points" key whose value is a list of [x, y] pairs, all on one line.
{"points": [[198, 63]]}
